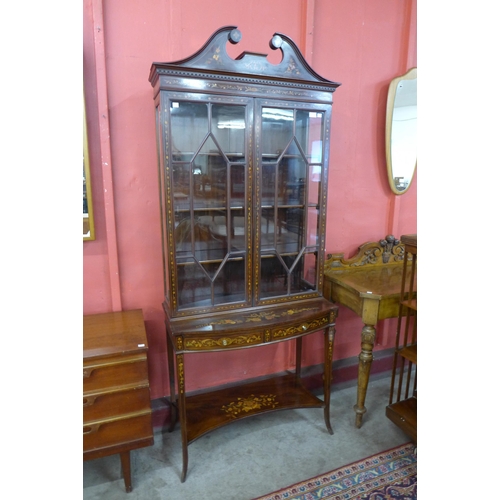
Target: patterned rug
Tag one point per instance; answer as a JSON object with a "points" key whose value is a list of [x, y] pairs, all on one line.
{"points": [[386, 475]]}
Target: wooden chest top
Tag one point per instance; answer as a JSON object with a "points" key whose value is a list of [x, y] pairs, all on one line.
{"points": [[115, 333]]}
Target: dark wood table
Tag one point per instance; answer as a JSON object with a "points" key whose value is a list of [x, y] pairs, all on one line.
{"points": [[370, 285]]}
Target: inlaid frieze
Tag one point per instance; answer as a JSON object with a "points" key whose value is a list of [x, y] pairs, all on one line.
{"points": [[211, 343]]}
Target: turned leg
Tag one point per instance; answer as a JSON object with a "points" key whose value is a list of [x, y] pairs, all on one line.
{"points": [[127, 477], [327, 374], [365, 363]]}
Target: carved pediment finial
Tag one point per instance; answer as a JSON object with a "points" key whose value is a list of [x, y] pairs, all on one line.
{"points": [[388, 244]]}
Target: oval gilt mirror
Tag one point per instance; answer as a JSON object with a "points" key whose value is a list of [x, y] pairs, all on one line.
{"points": [[88, 212], [401, 131]]}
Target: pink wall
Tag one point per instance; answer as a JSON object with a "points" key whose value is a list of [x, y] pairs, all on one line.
{"points": [[360, 43]]}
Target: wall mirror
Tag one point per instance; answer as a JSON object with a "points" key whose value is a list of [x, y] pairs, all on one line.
{"points": [[401, 131], [88, 214]]}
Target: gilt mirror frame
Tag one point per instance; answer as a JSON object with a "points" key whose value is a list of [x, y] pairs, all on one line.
{"points": [[399, 184], [88, 211]]}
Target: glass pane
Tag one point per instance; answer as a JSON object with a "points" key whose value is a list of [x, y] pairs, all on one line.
{"points": [[228, 128], [211, 249], [211, 167], [296, 273], [194, 287], [190, 116], [230, 283], [273, 277], [314, 190], [197, 239], [310, 275], [181, 175], [287, 242], [267, 239], [293, 179], [268, 184], [277, 131], [290, 232], [309, 133], [238, 185], [312, 227]]}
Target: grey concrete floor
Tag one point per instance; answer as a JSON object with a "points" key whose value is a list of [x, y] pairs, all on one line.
{"points": [[254, 456]]}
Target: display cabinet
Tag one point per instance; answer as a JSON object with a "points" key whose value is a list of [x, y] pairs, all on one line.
{"points": [[243, 149], [402, 408]]}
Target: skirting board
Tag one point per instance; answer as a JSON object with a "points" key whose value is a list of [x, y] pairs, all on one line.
{"points": [[344, 374]]}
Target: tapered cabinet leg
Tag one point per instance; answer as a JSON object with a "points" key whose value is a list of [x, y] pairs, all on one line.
{"points": [[182, 413], [365, 363], [127, 476], [171, 376]]}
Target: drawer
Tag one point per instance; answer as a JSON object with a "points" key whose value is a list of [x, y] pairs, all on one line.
{"points": [[112, 432], [119, 371], [213, 343], [298, 329], [101, 405]]}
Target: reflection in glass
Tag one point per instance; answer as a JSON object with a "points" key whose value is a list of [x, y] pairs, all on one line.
{"points": [[310, 133], [277, 131]]}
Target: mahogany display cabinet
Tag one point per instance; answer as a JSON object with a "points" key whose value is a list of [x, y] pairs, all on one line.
{"points": [[243, 149]]}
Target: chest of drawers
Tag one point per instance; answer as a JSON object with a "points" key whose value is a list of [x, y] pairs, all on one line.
{"points": [[116, 400]]}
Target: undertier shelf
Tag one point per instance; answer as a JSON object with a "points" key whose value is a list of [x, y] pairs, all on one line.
{"points": [[410, 304], [409, 352], [404, 415], [211, 410]]}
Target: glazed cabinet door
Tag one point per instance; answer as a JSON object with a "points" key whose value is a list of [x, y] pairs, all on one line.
{"points": [[291, 146], [206, 201]]}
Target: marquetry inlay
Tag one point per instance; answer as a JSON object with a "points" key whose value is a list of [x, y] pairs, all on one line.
{"points": [[222, 342], [302, 328], [250, 404], [256, 317], [180, 372]]}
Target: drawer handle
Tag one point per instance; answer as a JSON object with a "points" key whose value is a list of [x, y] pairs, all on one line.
{"points": [[304, 328], [87, 372], [89, 400], [89, 429]]}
